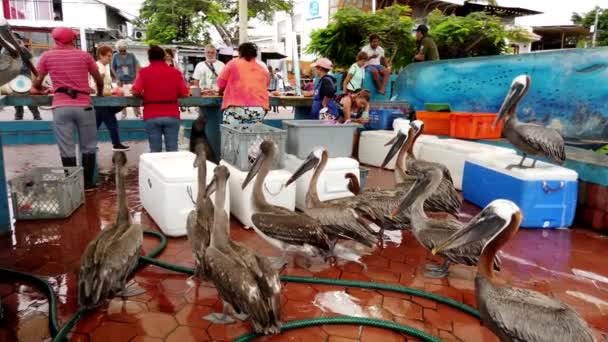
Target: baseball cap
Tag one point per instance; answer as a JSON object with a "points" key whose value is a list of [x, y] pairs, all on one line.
{"points": [[63, 35]]}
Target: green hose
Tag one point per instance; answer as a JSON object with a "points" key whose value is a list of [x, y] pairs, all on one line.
{"points": [[39, 282], [346, 320], [60, 335]]}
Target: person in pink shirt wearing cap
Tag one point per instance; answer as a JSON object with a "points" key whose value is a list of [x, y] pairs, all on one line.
{"points": [[69, 69]]}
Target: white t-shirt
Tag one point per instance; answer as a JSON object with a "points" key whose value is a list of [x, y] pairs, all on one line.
{"points": [[378, 51], [104, 70], [206, 77]]}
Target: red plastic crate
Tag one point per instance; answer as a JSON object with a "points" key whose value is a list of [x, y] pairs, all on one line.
{"points": [[437, 123], [474, 126]]}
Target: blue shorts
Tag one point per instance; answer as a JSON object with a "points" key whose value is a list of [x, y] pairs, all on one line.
{"points": [[374, 67]]}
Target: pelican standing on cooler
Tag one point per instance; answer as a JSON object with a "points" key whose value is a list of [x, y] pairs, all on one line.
{"points": [[513, 314], [529, 138]]}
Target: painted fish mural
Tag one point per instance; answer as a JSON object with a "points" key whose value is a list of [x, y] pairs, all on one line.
{"points": [[569, 89]]}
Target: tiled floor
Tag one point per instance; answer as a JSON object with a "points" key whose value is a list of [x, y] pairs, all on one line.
{"points": [[568, 264]]}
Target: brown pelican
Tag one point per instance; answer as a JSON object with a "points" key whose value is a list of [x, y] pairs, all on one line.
{"points": [[200, 219], [113, 254], [431, 231], [513, 314], [284, 229], [339, 219], [252, 290], [11, 63], [198, 136], [445, 199], [529, 138]]}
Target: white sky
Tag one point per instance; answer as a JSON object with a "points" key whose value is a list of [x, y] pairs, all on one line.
{"points": [[556, 12]]}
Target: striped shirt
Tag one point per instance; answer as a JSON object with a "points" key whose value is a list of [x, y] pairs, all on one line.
{"points": [[70, 68]]}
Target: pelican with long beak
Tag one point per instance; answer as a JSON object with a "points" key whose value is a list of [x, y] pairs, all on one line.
{"points": [[430, 232], [284, 229], [529, 138], [513, 314], [243, 279], [445, 199], [339, 220], [11, 63]]}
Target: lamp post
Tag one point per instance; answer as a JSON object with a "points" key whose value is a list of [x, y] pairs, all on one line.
{"points": [[597, 14], [243, 21]]}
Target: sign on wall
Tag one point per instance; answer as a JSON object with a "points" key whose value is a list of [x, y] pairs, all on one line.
{"points": [[316, 9]]}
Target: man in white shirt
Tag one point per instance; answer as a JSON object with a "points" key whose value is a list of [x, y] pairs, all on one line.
{"points": [[373, 65], [206, 72]]}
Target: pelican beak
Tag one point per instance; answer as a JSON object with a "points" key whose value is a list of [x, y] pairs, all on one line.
{"points": [[488, 224], [392, 141], [255, 168], [514, 96], [8, 41], [398, 142], [416, 190], [211, 187], [310, 163]]}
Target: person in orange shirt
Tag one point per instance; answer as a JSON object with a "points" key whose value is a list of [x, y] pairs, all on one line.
{"points": [[243, 83]]}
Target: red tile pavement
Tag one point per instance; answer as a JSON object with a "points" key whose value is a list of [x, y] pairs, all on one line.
{"points": [[568, 264]]}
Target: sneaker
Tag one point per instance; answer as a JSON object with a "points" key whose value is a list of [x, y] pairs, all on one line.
{"points": [[18, 118], [120, 147], [37, 118]]}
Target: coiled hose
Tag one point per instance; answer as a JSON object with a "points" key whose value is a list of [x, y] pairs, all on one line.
{"points": [[60, 334]]}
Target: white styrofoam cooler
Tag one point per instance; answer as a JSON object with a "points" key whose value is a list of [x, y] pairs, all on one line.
{"points": [[332, 183], [454, 152], [240, 200], [546, 194], [372, 150], [164, 179]]}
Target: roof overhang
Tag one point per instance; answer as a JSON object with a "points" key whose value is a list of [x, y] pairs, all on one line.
{"points": [[570, 30]]}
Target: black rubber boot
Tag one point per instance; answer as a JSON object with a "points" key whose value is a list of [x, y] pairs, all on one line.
{"points": [[68, 162], [88, 164]]}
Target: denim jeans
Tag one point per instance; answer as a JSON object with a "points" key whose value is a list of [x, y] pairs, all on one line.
{"points": [[107, 115], [166, 127]]}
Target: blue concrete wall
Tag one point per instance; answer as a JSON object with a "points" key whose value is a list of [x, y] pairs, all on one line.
{"points": [[569, 88]]}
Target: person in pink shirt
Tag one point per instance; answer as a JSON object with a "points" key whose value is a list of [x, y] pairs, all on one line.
{"points": [[243, 82], [69, 69]]}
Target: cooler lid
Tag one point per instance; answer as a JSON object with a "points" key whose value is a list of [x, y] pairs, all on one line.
{"points": [[333, 164], [316, 123], [172, 167], [542, 171], [458, 145]]}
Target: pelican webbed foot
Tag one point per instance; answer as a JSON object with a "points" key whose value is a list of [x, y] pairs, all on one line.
{"points": [[220, 318], [438, 274], [241, 316], [521, 164], [436, 271], [131, 291]]}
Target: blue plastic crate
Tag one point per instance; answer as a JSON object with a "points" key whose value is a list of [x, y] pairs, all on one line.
{"points": [[382, 119], [546, 195]]}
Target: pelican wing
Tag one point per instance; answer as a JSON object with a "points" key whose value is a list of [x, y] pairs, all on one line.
{"points": [[295, 229], [341, 221], [544, 139], [106, 264], [525, 315], [237, 286], [199, 234]]}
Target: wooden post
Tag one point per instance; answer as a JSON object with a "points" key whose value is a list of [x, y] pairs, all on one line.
{"points": [[243, 21]]}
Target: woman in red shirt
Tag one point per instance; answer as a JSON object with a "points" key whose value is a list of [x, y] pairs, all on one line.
{"points": [[160, 85]]}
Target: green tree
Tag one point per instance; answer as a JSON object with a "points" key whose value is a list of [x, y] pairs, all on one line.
{"points": [[477, 34], [350, 28], [588, 19], [187, 21]]}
